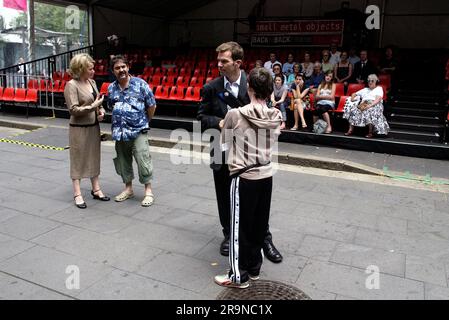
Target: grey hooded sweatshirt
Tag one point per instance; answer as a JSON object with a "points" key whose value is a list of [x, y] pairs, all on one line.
{"points": [[248, 137]]}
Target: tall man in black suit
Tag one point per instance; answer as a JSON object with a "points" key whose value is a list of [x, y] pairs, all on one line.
{"points": [[363, 68], [218, 96]]}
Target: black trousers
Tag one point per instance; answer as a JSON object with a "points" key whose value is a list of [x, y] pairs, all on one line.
{"points": [[250, 212], [222, 182]]}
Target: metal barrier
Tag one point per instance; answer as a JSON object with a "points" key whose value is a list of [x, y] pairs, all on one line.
{"points": [[46, 96]]}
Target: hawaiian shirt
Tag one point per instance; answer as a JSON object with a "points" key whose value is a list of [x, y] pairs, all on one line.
{"points": [[129, 108]]}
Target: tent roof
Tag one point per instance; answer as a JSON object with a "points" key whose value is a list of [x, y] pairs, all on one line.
{"points": [[161, 9]]}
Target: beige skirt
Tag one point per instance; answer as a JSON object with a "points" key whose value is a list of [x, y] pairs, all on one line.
{"points": [[85, 152]]}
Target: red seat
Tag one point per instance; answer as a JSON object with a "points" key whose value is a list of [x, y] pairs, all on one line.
{"points": [[213, 73], [8, 95], [1, 93], [172, 72], [312, 101], [176, 93], [62, 86], [168, 81], [340, 89], [33, 84], [161, 92], [183, 82], [43, 85], [31, 96], [341, 104], [185, 72], [354, 87], [20, 95], [196, 82], [385, 79], [104, 88], [199, 73], [209, 79], [148, 71], [55, 87], [158, 71], [66, 77], [156, 80], [57, 76], [193, 94], [202, 64]]}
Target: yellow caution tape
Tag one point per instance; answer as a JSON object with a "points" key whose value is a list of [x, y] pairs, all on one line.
{"points": [[33, 145]]}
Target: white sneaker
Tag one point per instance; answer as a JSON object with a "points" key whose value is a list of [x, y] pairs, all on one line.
{"points": [[254, 278], [224, 281]]}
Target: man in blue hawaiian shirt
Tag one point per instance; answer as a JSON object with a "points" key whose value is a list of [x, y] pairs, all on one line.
{"points": [[133, 106]]}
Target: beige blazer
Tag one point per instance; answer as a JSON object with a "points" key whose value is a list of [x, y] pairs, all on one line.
{"points": [[80, 103]]}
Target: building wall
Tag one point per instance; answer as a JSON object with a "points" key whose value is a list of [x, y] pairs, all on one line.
{"points": [[428, 31]]}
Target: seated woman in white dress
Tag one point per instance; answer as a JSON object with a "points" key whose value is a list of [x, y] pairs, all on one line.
{"points": [[365, 108]]}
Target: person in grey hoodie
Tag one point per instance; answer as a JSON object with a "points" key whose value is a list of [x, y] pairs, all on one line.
{"points": [[248, 136]]}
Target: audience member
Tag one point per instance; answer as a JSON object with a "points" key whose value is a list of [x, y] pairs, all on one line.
{"points": [[388, 63], [287, 68], [325, 100], [301, 100], [317, 76], [259, 64], [326, 65], [307, 66], [335, 54], [343, 69], [270, 63], [279, 97], [353, 57], [363, 68], [365, 108], [277, 71], [296, 71]]}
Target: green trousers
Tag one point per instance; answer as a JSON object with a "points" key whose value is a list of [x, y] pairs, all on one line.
{"points": [[140, 149]]}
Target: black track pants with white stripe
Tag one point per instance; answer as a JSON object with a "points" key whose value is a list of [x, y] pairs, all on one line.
{"points": [[250, 212]]}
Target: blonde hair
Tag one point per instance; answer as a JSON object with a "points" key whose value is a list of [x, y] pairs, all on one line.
{"points": [[79, 65]]}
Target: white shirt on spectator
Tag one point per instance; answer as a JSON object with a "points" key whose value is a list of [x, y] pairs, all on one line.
{"points": [[354, 60], [370, 95], [335, 57], [269, 65], [233, 87]]}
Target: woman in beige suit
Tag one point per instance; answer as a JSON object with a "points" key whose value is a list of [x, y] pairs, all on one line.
{"points": [[85, 106]]}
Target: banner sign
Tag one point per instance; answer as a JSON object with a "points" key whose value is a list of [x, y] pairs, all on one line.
{"points": [[15, 4], [310, 33]]}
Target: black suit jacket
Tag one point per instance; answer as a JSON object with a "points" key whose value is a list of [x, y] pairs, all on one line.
{"points": [[365, 72], [213, 109]]}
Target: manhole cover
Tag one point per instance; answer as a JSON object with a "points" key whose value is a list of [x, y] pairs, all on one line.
{"points": [[264, 290]]}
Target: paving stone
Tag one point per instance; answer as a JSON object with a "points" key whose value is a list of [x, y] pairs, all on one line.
{"points": [[97, 248], [6, 213], [119, 285], [362, 257], [287, 271], [178, 201], [393, 225], [166, 238], [409, 244], [157, 212], [433, 292], [317, 248], [12, 288], [316, 294], [206, 206], [429, 231], [26, 226], [196, 222], [33, 204], [347, 281], [171, 268], [9, 247], [426, 270], [47, 268]]}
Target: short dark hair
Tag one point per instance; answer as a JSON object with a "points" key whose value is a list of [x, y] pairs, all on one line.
{"points": [[261, 81], [118, 58], [280, 76], [234, 47]]}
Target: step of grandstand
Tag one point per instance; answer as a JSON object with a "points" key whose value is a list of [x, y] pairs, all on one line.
{"points": [[414, 135], [425, 112], [416, 126], [413, 118]]}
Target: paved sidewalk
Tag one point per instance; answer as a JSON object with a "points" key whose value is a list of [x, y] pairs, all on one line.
{"points": [[330, 227]]}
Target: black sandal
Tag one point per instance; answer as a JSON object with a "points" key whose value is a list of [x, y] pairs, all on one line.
{"points": [[81, 205], [104, 198]]}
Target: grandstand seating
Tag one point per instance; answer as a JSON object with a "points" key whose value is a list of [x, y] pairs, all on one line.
{"points": [[354, 87], [340, 89], [176, 93], [193, 94], [104, 88]]}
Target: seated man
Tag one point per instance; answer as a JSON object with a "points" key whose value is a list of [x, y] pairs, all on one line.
{"points": [[317, 76], [287, 68], [270, 63], [363, 69]]}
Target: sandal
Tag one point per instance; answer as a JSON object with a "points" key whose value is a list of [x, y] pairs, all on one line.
{"points": [[369, 135], [123, 196], [104, 198], [349, 133], [294, 128], [148, 200], [80, 205]]}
